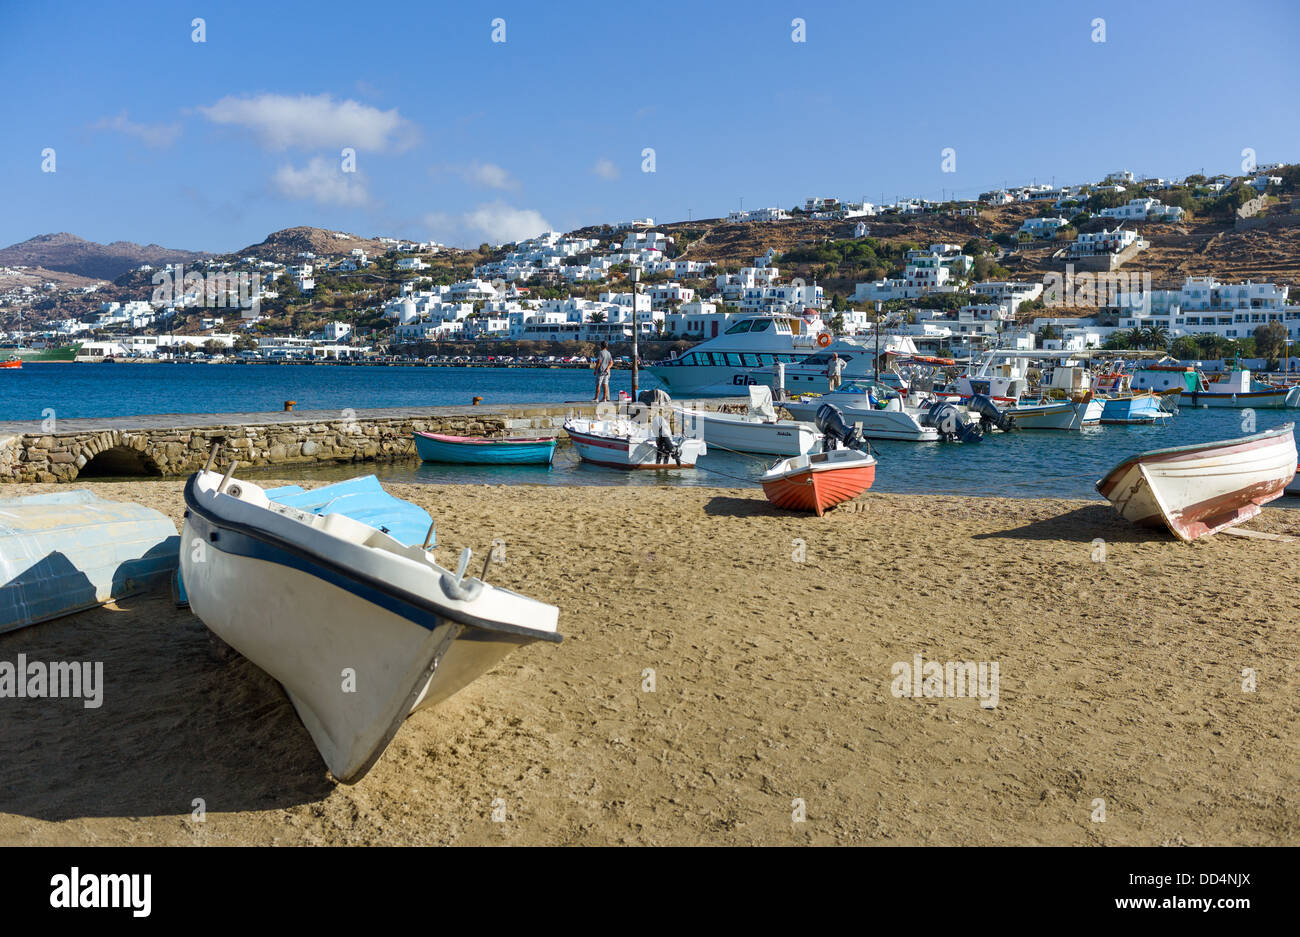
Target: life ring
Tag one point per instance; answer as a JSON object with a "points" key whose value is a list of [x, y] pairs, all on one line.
{"points": [[823, 340]]}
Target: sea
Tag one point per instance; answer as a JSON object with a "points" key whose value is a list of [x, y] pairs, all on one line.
{"points": [[1025, 464]]}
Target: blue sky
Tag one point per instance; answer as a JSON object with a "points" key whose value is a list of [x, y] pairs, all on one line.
{"points": [[212, 145]]}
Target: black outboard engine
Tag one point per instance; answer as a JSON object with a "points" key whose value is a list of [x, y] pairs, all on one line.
{"points": [[835, 432], [990, 415], [951, 423]]}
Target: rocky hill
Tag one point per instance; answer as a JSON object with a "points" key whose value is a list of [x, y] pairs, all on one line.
{"points": [[67, 253], [287, 244]]}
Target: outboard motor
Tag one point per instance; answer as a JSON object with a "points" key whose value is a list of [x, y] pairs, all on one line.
{"points": [[990, 415], [951, 423], [666, 447], [835, 432]]}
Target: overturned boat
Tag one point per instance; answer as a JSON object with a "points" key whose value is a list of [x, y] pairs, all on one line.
{"points": [[68, 551], [359, 628], [1198, 490]]}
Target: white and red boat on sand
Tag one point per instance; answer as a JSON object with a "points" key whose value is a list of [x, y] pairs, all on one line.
{"points": [[1202, 489], [629, 445]]}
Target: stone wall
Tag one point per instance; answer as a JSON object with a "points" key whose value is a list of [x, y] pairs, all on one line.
{"points": [[43, 457], [179, 450]]}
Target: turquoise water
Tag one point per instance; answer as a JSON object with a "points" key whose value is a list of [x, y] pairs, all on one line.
{"points": [[1027, 464]]}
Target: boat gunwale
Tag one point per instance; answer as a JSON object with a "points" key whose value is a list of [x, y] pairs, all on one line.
{"points": [[419, 602], [1284, 429]]}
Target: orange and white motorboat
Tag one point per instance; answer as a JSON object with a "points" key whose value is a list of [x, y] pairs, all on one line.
{"points": [[820, 480], [13, 362]]}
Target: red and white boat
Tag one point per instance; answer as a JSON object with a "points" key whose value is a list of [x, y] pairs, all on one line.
{"points": [[628, 445], [1199, 490], [819, 481]]}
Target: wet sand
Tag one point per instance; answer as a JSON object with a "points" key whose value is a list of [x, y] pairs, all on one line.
{"points": [[1119, 680]]}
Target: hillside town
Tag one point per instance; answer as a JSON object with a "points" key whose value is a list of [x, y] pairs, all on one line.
{"points": [[1082, 246]]}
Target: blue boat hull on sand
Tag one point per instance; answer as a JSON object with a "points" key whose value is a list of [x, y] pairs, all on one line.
{"points": [[485, 452], [362, 499], [68, 551]]}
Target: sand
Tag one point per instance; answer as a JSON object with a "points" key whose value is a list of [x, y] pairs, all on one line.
{"points": [[1119, 681]]}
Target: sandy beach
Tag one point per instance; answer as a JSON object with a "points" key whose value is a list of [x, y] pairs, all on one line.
{"points": [[1119, 680]]}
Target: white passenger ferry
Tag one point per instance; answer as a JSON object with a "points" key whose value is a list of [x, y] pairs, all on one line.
{"points": [[747, 353]]}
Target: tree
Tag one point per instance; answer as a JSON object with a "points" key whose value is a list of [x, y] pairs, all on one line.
{"points": [[1270, 341], [837, 324], [1153, 336], [598, 316], [1185, 348]]}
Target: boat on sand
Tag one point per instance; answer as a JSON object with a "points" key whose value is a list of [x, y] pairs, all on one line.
{"points": [[360, 629], [1199, 490], [820, 480]]}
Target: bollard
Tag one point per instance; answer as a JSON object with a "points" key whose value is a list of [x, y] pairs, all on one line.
{"points": [[289, 405], [477, 401]]}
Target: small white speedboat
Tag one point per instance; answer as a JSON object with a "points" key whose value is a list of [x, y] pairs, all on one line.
{"points": [[1198, 490], [629, 445], [359, 628], [758, 430]]}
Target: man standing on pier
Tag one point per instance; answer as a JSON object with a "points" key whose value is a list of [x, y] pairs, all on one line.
{"points": [[604, 363]]}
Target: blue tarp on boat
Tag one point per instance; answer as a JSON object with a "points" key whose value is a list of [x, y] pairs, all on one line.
{"points": [[68, 551], [364, 500]]}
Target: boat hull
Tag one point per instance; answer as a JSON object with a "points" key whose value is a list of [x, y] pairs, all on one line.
{"points": [[1258, 400], [818, 482], [1133, 409], [466, 451], [628, 449], [1060, 415], [780, 437], [1196, 491], [355, 635], [68, 551], [875, 423]]}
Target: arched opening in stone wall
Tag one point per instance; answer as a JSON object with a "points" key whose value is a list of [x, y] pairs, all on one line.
{"points": [[119, 461]]}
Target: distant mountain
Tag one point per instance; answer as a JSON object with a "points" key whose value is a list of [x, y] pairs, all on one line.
{"points": [[68, 253], [286, 245]]}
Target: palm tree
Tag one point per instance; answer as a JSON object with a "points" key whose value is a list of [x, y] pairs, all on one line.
{"points": [[598, 316], [1155, 336]]}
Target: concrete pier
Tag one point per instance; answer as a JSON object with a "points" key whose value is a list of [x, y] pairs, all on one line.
{"points": [[178, 444]]}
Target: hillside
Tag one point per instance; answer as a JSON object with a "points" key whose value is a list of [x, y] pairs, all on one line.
{"points": [[67, 253], [287, 244]]}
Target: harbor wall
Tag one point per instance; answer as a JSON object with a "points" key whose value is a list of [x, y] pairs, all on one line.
{"points": [[178, 444]]}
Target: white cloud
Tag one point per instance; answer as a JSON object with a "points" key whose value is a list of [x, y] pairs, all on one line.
{"points": [[490, 175], [606, 169], [322, 181], [485, 175], [155, 135], [280, 121], [494, 222]]}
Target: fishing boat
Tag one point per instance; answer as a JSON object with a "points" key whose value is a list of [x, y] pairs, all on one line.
{"points": [[1133, 408], [626, 444], [1056, 414], [360, 629], [12, 363], [1236, 389], [1198, 490], [72, 550], [477, 450], [820, 480], [757, 430]]}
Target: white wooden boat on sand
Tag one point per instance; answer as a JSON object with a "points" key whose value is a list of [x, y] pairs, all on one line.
{"points": [[629, 445], [1201, 489], [757, 430], [361, 630]]}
